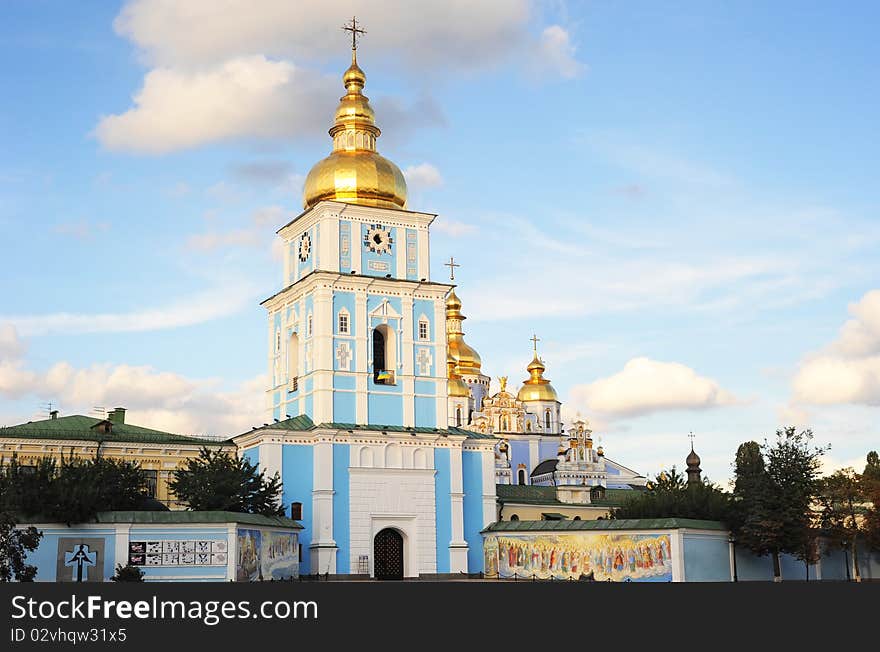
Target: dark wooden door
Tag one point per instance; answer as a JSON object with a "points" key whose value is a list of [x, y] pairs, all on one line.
{"points": [[388, 555]]}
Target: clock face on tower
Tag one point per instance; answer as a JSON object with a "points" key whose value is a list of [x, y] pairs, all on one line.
{"points": [[305, 247], [378, 239]]}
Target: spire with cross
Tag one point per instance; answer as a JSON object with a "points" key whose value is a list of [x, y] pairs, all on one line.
{"points": [[356, 31], [451, 265], [535, 339], [691, 437]]}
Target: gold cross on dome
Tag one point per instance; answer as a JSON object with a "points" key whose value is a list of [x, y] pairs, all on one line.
{"points": [[355, 31], [535, 339], [451, 265]]}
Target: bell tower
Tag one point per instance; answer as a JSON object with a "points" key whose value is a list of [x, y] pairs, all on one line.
{"points": [[357, 334]]}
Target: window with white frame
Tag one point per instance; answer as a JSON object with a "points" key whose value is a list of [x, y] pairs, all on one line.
{"points": [[343, 322], [309, 326], [424, 329]]}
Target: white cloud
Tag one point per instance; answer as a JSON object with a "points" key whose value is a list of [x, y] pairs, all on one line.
{"points": [[422, 176], [246, 96], [11, 346], [453, 228], [196, 32], [240, 73], [556, 53], [645, 386], [156, 399], [195, 309], [262, 224], [847, 370]]}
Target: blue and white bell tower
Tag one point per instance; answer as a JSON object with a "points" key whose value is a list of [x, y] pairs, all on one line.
{"points": [[358, 390], [358, 333]]}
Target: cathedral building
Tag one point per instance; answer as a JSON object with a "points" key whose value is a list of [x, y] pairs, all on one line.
{"points": [[385, 434]]}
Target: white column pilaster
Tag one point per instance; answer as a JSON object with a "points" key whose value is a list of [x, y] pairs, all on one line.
{"points": [[323, 546]]}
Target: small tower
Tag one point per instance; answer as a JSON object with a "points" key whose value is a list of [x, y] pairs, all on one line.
{"points": [[693, 466]]}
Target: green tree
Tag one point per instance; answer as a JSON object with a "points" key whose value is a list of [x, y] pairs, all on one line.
{"points": [[670, 496], [750, 513], [870, 481], [127, 573], [216, 480], [775, 486], [15, 543], [842, 508], [72, 491]]}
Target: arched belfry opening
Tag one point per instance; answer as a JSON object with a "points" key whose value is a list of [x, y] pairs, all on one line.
{"points": [[383, 355], [388, 555], [293, 362]]}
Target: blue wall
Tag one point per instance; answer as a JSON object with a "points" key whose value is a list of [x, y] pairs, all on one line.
{"points": [[344, 407], [252, 455], [472, 482], [443, 501], [46, 555], [385, 409], [706, 558], [387, 263], [341, 507], [426, 412], [297, 473], [519, 454]]}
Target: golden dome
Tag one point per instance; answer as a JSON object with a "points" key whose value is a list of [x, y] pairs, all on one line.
{"points": [[466, 358], [536, 387], [354, 172], [456, 386]]}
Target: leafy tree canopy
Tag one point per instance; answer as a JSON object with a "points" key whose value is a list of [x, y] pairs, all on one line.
{"points": [[670, 496], [216, 480], [15, 543]]}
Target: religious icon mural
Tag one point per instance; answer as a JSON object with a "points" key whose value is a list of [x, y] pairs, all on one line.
{"points": [[280, 555], [585, 555], [248, 567]]}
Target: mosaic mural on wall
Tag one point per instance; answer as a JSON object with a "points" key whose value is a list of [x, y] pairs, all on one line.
{"points": [[266, 555], [602, 557]]}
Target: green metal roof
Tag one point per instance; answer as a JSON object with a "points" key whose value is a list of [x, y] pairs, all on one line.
{"points": [[605, 524], [83, 428], [303, 423], [530, 494], [195, 518]]}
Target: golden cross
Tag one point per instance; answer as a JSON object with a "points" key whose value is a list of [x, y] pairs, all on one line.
{"points": [[534, 338], [355, 31], [451, 265]]}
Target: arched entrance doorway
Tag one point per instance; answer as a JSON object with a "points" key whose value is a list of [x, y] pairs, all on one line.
{"points": [[388, 555]]}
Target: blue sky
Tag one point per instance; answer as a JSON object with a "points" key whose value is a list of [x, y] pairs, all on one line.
{"points": [[678, 198]]}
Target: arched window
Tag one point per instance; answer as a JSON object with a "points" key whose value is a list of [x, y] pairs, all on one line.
{"points": [[547, 419], [342, 321], [383, 355], [514, 517], [424, 329], [504, 424], [576, 518], [293, 362], [458, 416], [521, 476], [528, 426], [277, 341]]}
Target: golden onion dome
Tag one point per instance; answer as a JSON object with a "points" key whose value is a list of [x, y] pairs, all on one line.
{"points": [[354, 172], [456, 387], [465, 357], [536, 387]]}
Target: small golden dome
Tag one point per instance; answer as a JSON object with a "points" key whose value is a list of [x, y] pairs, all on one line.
{"points": [[536, 387], [456, 387], [354, 172], [467, 359]]}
